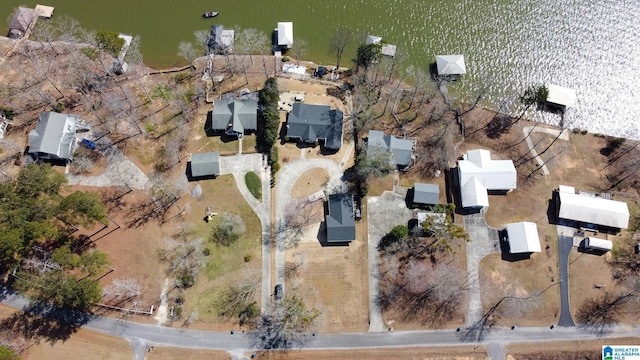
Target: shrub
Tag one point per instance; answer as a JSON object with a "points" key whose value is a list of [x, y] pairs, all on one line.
{"points": [[223, 235], [206, 251], [109, 41], [247, 258], [185, 280], [254, 184]]}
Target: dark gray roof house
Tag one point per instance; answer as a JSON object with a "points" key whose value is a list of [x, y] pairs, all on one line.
{"points": [[312, 123], [341, 225], [54, 137], [205, 164], [402, 149], [234, 116], [425, 194]]}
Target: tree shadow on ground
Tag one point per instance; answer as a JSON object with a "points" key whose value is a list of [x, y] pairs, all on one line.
{"points": [[46, 321]]}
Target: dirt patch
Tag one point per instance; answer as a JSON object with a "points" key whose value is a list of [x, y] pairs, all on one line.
{"points": [[309, 182], [587, 349], [334, 280], [413, 353], [170, 353]]}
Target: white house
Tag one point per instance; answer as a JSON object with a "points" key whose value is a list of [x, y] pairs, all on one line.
{"points": [[478, 173], [523, 237], [590, 209]]}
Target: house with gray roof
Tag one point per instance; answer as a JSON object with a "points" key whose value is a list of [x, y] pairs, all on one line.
{"points": [[314, 123], [205, 165], [425, 194], [340, 221], [400, 149], [54, 137], [234, 117]]}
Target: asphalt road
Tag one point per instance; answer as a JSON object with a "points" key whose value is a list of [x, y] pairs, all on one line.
{"points": [[565, 243], [142, 335]]}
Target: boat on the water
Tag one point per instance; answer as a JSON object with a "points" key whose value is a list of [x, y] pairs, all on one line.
{"points": [[210, 14]]}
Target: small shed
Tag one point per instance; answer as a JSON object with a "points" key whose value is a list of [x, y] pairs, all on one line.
{"points": [[54, 137], [205, 164], [450, 64], [425, 194], [523, 237]]}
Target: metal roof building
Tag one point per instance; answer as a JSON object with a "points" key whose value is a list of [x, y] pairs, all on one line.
{"points": [[54, 137], [427, 194], [592, 209], [478, 173], [523, 237], [285, 34], [205, 164], [451, 64], [561, 96]]}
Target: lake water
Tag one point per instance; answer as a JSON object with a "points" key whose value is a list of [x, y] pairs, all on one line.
{"points": [[589, 45]]}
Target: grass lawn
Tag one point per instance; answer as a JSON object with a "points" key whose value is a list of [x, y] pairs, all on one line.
{"points": [[254, 184], [225, 265]]}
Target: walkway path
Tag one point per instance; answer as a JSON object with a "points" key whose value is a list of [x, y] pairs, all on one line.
{"points": [[527, 130], [484, 241], [383, 213], [239, 166], [287, 177]]}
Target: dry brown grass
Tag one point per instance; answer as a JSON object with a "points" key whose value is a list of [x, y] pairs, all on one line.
{"points": [[409, 353], [171, 353], [309, 182], [83, 344], [562, 350], [379, 185], [334, 280]]}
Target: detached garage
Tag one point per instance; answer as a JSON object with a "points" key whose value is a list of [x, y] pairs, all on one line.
{"points": [[591, 209], [523, 238]]}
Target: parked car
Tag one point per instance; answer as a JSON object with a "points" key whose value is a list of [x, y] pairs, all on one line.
{"points": [[278, 292], [320, 71], [88, 144]]}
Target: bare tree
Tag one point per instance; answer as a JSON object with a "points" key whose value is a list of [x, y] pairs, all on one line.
{"points": [[285, 326], [189, 52], [249, 41], [299, 49], [338, 43]]}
